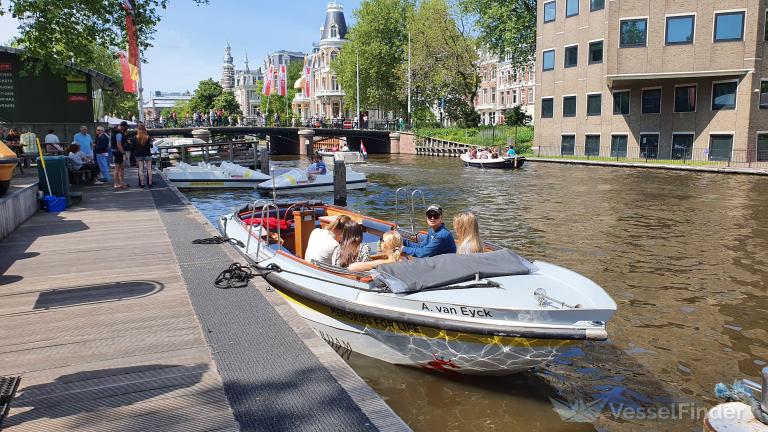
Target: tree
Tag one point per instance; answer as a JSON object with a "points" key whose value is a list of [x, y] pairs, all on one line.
{"points": [[507, 27], [205, 95], [516, 117], [379, 39], [226, 102], [54, 31]]}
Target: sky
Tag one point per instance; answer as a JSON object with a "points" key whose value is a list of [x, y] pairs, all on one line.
{"points": [[190, 39]]}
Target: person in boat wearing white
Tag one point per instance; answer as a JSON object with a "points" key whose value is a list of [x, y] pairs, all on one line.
{"points": [[352, 249], [317, 167], [438, 240], [323, 242], [345, 147], [468, 233], [391, 245], [483, 154]]}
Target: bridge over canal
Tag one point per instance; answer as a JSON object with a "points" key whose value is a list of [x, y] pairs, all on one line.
{"points": [[292, 140]]}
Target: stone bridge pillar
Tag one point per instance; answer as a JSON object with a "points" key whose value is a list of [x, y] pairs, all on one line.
{"points": [[306, 141], [394, 143], [203, 134]]}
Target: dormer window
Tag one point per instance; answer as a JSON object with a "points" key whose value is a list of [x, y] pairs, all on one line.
{"points": [[334, 31]]}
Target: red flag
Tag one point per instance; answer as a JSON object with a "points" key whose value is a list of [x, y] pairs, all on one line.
{"points": [[129, 84], [282, 88], [133, 44], [363, 150], [266, 90]]}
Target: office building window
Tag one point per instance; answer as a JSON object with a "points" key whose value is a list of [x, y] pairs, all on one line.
{"points": [[592, 145], [762, 148], [724, 95], [569, 106], [729, 26], [567, 145], [594, 104], [571, 56], [680, 30], [685, 98], [651, 101], [649, 146], [765, 30], [571, 7], [764, 94], [633, 33], [621, 102], [595, 52], [547, 107], [682, 146], [550, 11], [596, 5], [720, 147], [619, 146], [548, 60]]}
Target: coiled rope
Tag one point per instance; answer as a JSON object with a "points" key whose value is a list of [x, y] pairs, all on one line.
{"points": [[739, 392], [236, 276], [219, 240]]}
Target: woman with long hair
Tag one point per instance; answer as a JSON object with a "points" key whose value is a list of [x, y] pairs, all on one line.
{"points": [[142, 151], [391, 245], [352, 249], [468, 233], [323, 242]]}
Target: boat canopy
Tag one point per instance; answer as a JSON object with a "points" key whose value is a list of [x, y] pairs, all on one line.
{"points": [[436, 272]]}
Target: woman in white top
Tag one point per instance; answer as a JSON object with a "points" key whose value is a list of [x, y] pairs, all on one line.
{"points": [[467, 233], [322, 242]]}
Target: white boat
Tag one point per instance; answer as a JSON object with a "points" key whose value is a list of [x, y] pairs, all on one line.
{"points": [[349, 157], [492, 313], [192, 146], [209, 176], [297, 181], [494, 163]]}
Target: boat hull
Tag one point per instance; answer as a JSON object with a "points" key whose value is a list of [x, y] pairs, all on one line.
{"points": [[505, 163], [215, 183], [311, 187]]}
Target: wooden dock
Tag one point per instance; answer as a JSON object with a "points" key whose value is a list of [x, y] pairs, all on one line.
{"points": [[101, 311]]}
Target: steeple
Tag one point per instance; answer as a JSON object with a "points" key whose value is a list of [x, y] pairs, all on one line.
{"points": [[247, 69], [228, 70]]}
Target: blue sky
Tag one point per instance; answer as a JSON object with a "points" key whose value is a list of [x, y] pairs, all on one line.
{"points": [[190, 40]]}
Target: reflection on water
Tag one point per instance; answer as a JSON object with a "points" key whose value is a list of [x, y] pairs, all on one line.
{"points": [[683, 254]]}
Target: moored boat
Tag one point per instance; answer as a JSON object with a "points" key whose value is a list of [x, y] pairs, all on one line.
{"points": [[491, 313], [349, 157], [297, 181], [209, 176], [494, 163]]}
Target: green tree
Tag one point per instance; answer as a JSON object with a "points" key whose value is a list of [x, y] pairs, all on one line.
{"points": [[506, 27], [226, 102], [516, 117], [54, 31], [379, 39], [205, 95]]}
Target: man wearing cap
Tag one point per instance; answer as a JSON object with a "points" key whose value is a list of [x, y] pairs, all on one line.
{"points": [[438, 240]]}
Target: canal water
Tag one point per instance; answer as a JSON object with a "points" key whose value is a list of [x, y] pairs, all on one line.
{"points": [[685, 256]]}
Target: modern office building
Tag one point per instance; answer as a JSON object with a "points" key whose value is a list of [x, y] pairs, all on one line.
{"points": [[657, 79]]}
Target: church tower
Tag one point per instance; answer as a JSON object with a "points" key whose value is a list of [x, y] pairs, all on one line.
{"points": [[228, 70]]}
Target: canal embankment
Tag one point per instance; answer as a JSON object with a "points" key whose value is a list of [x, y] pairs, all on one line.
{"points": [[111, 320]]}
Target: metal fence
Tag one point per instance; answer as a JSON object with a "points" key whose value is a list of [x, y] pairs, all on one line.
{"points": [[339, 123], [682, 156]]}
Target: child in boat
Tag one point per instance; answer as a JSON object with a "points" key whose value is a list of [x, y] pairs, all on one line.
{"points": [[391, 244], [323, 242], [352, 249], [468, 233], [511, 152]]}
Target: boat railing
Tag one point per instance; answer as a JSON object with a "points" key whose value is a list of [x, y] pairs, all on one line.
{"points": [[397, 203], [413, 197], [265, 213], [250, 227], [414, 194]]}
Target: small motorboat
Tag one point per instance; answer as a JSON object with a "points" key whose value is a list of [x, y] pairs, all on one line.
{"points": [[496, 163], [297, 181], [209, 176], [349, 157], [191, 146], [492, 313]]}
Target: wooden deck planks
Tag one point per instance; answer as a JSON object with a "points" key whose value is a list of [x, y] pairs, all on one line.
{"points": [[96, 318]]}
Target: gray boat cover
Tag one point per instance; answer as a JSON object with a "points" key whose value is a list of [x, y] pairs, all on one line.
{"points": [[442, 270]]}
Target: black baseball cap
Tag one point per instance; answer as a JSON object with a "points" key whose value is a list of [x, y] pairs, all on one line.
{"points": [[434, 208], [124, 123]]}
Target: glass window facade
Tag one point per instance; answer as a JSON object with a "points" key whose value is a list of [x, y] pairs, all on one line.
{"points": [[596, 5], [548, 61], [685, 98], [569, 106], [550, 11], [651, 101], [547, 107], [595, 52], [680, 30], [571, 7], [567, 145], [592, 145], [720, 147], [762, 148], [634, 33], [729, 26], [618, 146], [724, 96], [594, 104], [682, 146], [571, 56], [649, 146], [621, 102], [764, 94]]}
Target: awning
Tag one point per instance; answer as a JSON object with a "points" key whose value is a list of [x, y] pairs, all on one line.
{"points": [[299, 84], [675, 75]]}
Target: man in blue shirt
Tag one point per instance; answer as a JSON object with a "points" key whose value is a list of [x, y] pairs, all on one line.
{"points": [[511, 152], [317, 167], [85, 141], [438, 240]]}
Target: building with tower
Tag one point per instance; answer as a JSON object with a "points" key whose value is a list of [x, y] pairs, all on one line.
{"points": [[228, 70], [247, 92]]}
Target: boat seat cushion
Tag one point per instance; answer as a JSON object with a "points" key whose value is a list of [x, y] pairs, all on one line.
{"points": [[370, 238], [271, 223], [375, 225]]}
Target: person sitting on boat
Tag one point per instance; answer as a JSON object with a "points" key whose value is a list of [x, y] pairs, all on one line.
{"points": [[468, 233], [473, 153], [345, 147], [483, 154], [511, 152], [352, 249], [438, 240], [323, 242], [391, 245], [317, 167], [495, 154]]}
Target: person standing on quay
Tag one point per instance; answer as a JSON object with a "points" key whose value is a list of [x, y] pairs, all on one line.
{"points": [[85, 141], [142, 151], [52, 143], [102, 153], [119, 141]]}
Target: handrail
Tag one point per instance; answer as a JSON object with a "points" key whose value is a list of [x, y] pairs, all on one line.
{"points": [[397, 204], [250, 228], [413, 206], [265, 212]]}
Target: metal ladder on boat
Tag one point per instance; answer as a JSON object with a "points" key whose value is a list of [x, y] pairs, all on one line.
{"points": [[413, 196], [264, 226]]}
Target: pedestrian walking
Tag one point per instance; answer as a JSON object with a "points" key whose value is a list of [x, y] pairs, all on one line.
{"points": [[142, 150], [118, 144], [101, 150]]}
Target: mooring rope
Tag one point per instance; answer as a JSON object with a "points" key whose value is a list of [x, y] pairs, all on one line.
{"points": [[236, 276], [219, 240], [739, 392]]}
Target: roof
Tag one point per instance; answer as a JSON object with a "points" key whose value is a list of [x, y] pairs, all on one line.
{"points": [[104, 81], [334, 16]]}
